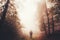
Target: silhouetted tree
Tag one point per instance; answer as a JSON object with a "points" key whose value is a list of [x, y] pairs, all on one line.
{"points": [[47, 19], [4, 13], [9, 22]]}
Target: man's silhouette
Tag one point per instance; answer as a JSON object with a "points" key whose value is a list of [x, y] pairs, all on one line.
{"points": [[31, 34]]}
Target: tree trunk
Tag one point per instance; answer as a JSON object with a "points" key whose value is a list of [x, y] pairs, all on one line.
{"points": [[47, 19], [52, 25]]}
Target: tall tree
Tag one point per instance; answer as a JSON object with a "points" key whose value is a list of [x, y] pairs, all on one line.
{"points": [[4, 13], [47, 18]]}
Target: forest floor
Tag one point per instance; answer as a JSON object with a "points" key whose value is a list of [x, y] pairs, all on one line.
{"points": [[53, 36], [36, 38]]}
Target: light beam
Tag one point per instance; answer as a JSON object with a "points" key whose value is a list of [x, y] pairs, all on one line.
{"points": [[27, 10]]}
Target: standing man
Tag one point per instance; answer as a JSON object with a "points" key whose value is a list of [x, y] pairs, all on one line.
{"points": [[31, 34]]}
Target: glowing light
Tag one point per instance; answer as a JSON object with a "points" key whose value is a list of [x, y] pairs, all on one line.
{"points": [[49, 4], [27, 10]]}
